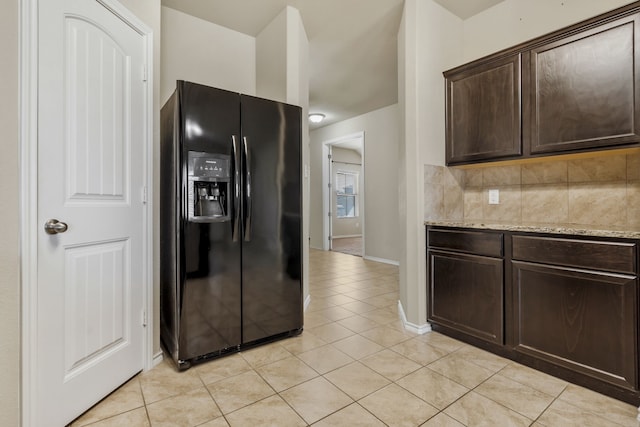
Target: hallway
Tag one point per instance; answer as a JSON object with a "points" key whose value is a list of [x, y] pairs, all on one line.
{"points": [[347, 245]]}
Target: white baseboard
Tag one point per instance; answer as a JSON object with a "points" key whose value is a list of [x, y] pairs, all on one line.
{"points": [[345, 236], [307, 301], [157, 358], [412, 327], [382, 260]]}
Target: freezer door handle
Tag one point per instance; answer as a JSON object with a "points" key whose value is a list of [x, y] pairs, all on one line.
{"points": [[236, 189], [247, 180]]}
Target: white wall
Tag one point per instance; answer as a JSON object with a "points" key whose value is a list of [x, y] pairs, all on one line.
{"points": [[348, 161], [271, 59], [298, 93], [381, 139], [439, 48], [514, 21], [10, 218], [202, 52], [429, 41], [148, 11], [407, 40], [282, 74]]}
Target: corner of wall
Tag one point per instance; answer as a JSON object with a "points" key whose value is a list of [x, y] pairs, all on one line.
{"points": [[412, 327]]}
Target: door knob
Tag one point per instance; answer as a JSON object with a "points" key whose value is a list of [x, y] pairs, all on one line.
{"points": [[53, 226]]}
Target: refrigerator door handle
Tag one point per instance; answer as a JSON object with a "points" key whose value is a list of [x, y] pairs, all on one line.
{"points": [[247, 180], [236, 185]]}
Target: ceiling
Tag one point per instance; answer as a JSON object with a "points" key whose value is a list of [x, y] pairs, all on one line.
{"points": [[352, 44], [467, 8]]}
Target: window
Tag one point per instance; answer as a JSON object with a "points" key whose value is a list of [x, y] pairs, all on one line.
{"points": [[346, 194]]}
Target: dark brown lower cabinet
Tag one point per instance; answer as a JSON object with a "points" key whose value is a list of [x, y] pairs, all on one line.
{"points": [[466, 294], [581, 320], [566, 305]]}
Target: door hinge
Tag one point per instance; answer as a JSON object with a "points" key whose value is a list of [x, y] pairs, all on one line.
{"points": [[145, 73], [328, 213], [143, 195], [144, 318], [329, 156], [329, 185]]}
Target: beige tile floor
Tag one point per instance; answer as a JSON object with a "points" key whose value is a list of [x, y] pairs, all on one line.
{"points": [[355, 365]]}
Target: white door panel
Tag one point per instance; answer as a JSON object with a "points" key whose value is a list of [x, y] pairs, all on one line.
{"points": [[97, 303], [91, 111], [98, 74]]}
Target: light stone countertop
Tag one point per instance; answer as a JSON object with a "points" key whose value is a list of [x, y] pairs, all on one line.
{"points": [[574, 229]]}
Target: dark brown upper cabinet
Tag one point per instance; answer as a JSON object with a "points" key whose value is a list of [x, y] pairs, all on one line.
{"points": [[574, 90], [483, 111], [581, 92]]}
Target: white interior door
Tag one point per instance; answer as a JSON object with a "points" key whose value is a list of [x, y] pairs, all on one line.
{"points": [[332, 187], [91, 133], [352, 141]]}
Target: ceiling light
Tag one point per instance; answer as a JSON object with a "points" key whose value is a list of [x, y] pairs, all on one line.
{"points": [[316, 117]]}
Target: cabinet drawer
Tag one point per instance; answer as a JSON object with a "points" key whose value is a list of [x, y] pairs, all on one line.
{"points": [[591, 254], [477, 242]]}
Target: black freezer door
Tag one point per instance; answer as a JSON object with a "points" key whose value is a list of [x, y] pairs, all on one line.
{"points": [[210, 312], [272, 201], [210, 318]]}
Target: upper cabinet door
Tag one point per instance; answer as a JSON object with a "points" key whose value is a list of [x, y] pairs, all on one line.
{"points": [[581, 91], [483, 111]]}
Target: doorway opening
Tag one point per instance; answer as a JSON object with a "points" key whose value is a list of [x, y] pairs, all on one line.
{"points": [[343, 194]]}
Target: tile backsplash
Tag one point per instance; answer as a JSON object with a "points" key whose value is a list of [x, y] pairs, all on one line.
{"points": [[598, 191]]}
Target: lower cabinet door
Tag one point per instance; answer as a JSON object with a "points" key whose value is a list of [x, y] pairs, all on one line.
{"points": [[582, 320], [466, 294]]}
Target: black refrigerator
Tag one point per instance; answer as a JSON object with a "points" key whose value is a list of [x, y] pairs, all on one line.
{"points": [[230, 222]]}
